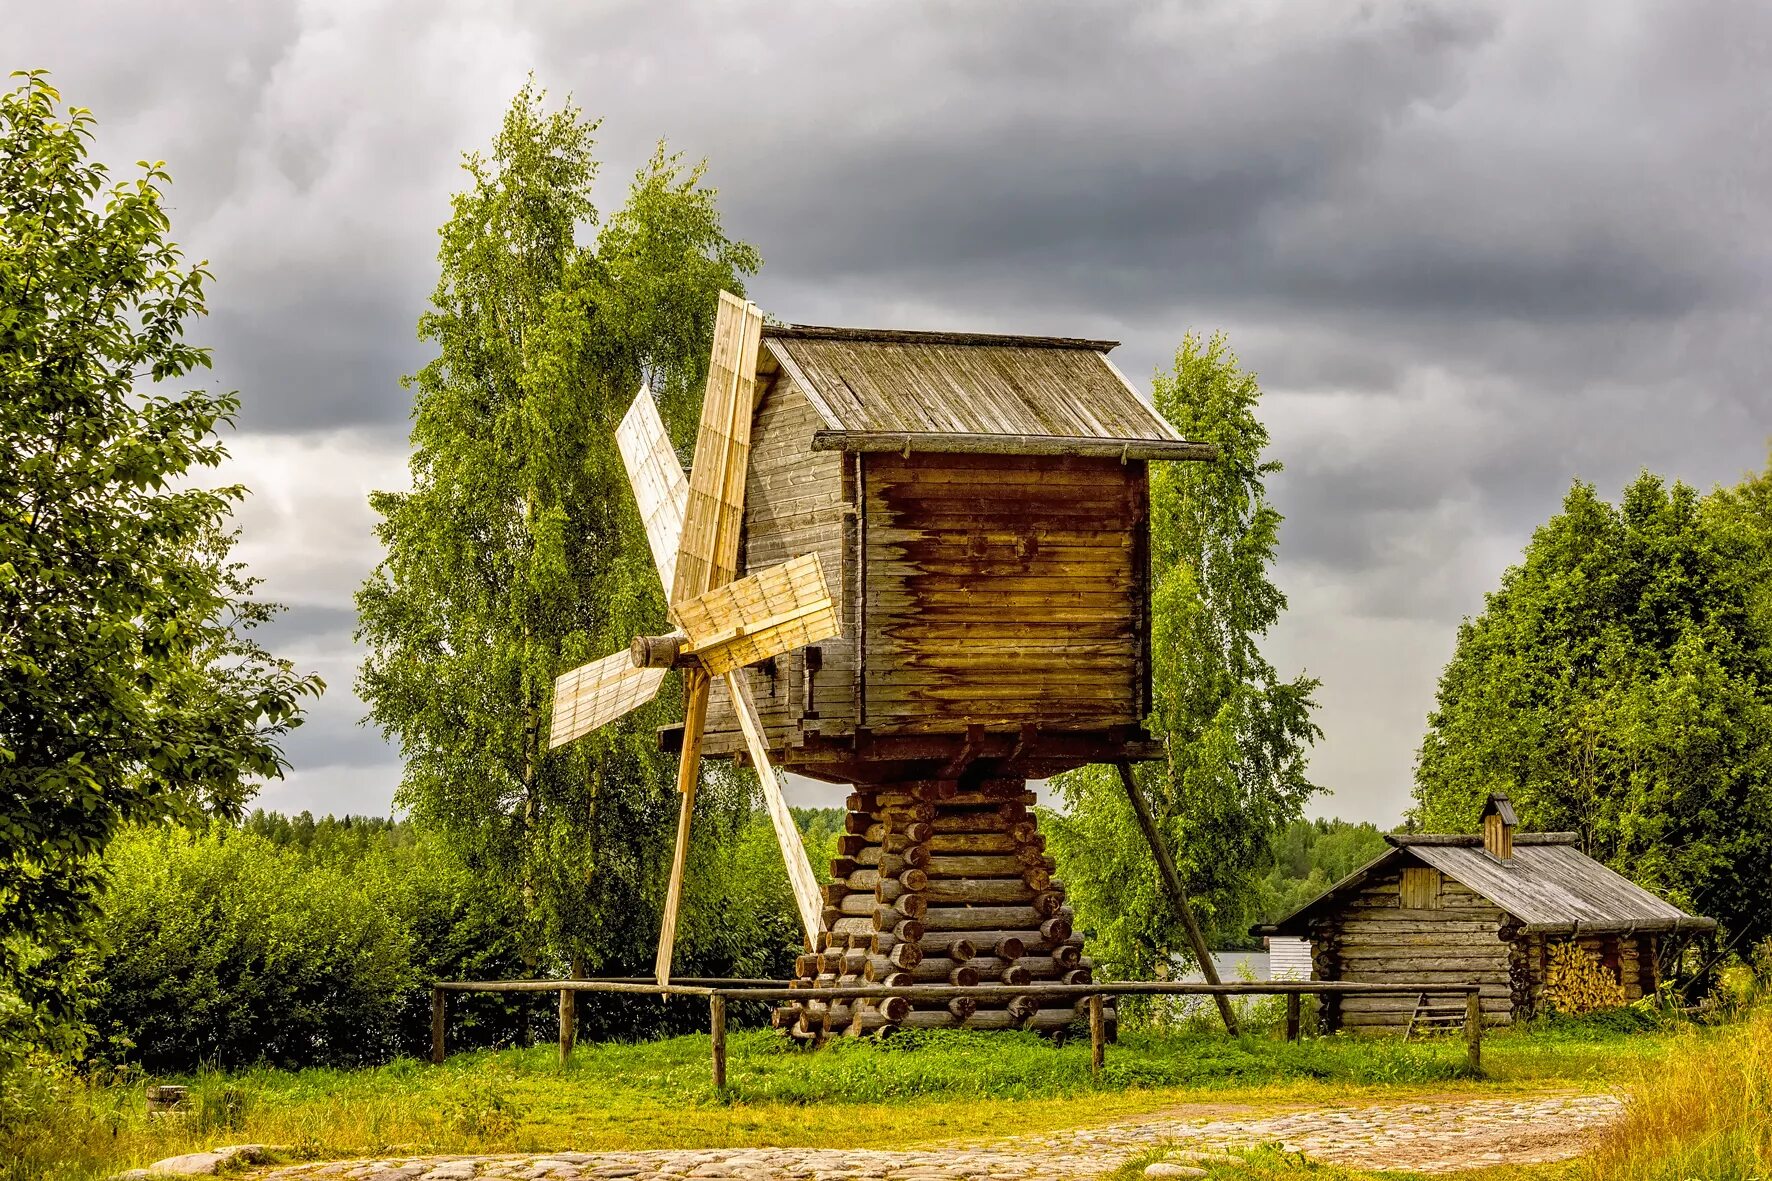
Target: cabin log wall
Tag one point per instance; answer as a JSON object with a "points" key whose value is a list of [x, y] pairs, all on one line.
{"points": [[1371, 936]]}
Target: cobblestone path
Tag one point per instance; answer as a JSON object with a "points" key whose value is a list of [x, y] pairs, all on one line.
{"points": [[1438, 1136]]}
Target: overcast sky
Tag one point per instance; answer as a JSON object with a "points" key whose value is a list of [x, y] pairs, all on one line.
{"points": [[1474, 250]]}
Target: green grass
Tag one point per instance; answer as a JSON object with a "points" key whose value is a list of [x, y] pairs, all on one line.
{"points": [[908, 1089]]}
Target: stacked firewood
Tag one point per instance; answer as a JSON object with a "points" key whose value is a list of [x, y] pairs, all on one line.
{"points": [[936, 885], [1576, 982]]}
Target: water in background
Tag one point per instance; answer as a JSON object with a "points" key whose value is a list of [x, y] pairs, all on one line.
{"points": [[1291, 962], [1236, 965]]}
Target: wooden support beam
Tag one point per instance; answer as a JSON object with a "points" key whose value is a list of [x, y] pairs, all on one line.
{"points": [[1177, 895], [1473, 1030], [956, 766], [568, 1023], [695, 711], [1292, 1015]]}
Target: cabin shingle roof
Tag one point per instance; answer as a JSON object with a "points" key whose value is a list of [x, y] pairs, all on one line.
{"points": [[883, 390], [1556, 888], [1548, 885]]}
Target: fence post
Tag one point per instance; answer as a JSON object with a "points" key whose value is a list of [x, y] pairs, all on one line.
{"points": [[1097, 1037], [1292, 1015], [717, 1028], [1473, 1028], [568, 1023], [439, 1015]]}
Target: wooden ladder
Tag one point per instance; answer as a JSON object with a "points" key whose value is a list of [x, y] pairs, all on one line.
{"points": [[1431, 1017]]}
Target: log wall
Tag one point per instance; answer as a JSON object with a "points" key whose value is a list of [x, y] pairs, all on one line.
{"points": [[1370, 935], [937, 885], [973, 590], [1002, 591]]}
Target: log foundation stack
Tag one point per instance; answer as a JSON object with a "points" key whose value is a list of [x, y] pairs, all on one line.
{"points": [[938, 885]]}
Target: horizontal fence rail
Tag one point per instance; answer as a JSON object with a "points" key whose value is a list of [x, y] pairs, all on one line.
{"points": [[719, 990]]}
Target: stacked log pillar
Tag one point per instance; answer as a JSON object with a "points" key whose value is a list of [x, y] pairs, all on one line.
{"points": [[935, 884]]}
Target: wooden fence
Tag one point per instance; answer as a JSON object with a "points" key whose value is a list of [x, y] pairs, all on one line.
{"points": [[718, 991]]}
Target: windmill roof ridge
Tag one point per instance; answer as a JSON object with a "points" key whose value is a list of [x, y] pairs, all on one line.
{"points": [[914, 336]]}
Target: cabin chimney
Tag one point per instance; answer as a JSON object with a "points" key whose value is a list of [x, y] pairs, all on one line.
{"points": [[1498, 827]]}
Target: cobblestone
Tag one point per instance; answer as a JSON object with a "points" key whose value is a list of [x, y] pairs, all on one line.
{"points": [[1429, 1137]]}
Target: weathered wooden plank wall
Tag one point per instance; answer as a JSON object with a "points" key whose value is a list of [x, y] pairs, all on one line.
{"points": [[1001, 591], [795, 503]]}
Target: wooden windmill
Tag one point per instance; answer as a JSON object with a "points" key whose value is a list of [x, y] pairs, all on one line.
{"points": [[724, 622], [980, 506]]}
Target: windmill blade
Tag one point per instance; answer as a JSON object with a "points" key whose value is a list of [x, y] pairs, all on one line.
{"points": [[659, 484], [708, 554], [695, 713], [759, 616], [807, 899], [595, 694]]}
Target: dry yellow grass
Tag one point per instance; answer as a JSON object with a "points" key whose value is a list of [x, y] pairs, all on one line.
{"points": [[1703, 1113]]}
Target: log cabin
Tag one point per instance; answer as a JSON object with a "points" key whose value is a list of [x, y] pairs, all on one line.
{"points": [[1485, 910]]}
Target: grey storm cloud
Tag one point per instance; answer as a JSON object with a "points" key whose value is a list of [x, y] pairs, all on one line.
{"points": [[1475, 250]]}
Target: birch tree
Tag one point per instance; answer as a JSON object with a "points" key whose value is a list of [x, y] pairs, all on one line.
{"points": [[518, 552]]}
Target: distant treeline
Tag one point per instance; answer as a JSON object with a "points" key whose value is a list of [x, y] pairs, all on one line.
{"points": [[1309, 856]]}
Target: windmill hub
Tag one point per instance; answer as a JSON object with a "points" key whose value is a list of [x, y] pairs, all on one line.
{"points": [[669, 651]]}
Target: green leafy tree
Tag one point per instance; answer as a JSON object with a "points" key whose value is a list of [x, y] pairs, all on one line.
{"points": [[518, 553], [1618, 683], [1309, 856], [130, 688], [1235, 734]]}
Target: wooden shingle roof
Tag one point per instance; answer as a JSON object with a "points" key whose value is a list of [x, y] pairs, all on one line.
{"points": [[882, 390], [1556, 887], [1548, 885]]}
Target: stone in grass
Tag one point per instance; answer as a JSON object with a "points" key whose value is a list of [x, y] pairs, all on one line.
{"points": [[459, 1170], [1164, 1168], [207, 1164]]}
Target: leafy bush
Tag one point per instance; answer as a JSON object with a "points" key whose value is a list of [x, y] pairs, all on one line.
{"points": [[301, 942], [223, 947]]}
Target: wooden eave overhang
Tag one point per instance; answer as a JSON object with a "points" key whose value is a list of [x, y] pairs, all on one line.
{"points": [[935, 443]]}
